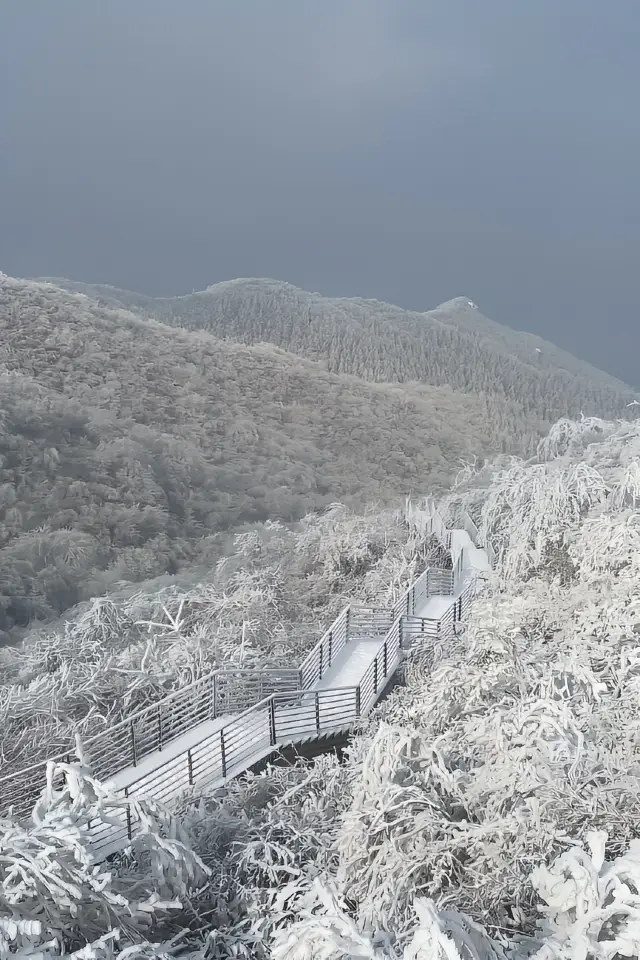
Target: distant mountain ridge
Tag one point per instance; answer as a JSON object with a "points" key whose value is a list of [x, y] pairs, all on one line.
{"points": [[453, 344]]}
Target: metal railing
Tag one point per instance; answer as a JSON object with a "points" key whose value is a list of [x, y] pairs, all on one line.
{"points": [[470, 527], [316, 664], [416, 629], [485, 544], [151, 728], [368, 622], [266, 705], [441, 582], [381, 669], [276, 721]]}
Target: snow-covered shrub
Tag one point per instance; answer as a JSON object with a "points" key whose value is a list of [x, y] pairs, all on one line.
{"points": [[55, 896]]}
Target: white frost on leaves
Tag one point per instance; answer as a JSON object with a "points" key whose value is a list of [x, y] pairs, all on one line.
{"points": [[490, 808]]}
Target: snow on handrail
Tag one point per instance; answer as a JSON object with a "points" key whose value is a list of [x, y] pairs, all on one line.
{"points": [[485, 544], [318, 661], [286, 700], [273, 723], [151, 728]]}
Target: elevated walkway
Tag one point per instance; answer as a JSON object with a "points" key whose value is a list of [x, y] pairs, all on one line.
{"points": [[230, 721]]}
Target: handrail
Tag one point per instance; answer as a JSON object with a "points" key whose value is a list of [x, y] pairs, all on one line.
{"points": [[470, 527], [151, 728], [284, 693], [485, 544], [320, 658], [266, 726]]}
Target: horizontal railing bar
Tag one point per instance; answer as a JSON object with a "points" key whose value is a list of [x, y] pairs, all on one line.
{"points": [[288, 705]]}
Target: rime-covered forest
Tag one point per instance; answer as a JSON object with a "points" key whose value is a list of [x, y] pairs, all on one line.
{"points": [[132, 451], [453, 345], [487, 810]]}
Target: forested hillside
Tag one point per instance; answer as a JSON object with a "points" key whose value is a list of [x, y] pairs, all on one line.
{"points": [[453, 344], [127, 445]]}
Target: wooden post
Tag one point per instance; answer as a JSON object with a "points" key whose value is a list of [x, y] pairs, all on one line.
{"points": [[215, 695], [384, 657], [330, 645], [190, 766], [321, 652], [358, 700], [375, 675], [317, 699]]}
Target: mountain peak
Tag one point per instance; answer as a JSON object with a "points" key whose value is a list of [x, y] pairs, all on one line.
{"points": [[456, 303]]}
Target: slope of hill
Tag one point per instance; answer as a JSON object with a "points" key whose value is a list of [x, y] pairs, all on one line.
{"points": [[453, 344], [126, 441]]}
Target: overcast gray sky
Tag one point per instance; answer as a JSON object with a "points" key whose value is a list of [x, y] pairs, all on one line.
{"points": [[409, 150]]}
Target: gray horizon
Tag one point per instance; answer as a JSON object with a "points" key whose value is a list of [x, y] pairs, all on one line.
{"points": [[406, 152]]}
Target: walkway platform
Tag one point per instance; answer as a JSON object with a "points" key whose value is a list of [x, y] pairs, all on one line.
{"points": [[213, 752]]}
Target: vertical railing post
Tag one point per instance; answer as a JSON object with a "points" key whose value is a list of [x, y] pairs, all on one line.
{"points": [[358, 700], [190, 766], [460, 609], [134, 756], [223, 755], [321, 658], [160, 726], [347, 623], [272, 721], [317, 701], [129, 829], [384, 658], [215, 696], [330, 644], [375, 675]]}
